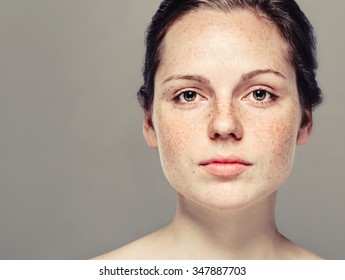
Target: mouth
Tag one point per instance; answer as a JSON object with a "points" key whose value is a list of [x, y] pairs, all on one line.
{"points": [[225, 166]]}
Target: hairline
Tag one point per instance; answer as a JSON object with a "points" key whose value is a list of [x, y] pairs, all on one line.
{"points": [[224, 9]]}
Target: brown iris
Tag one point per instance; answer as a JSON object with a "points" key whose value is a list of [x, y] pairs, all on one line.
{"points": [[189, 96], [260, 94]]}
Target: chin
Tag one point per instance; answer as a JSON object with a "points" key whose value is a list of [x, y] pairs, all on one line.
{"points": [[212, 203], [226, 205], [230, 201]]}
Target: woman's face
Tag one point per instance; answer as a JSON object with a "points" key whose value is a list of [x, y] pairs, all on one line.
{"points": [[226, 113]]}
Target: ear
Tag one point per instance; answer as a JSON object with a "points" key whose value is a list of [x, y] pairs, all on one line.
{"points": [[305, 131], [149, 131]]}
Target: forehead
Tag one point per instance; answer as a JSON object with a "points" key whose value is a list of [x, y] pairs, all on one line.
{"points": [[239, 37]]}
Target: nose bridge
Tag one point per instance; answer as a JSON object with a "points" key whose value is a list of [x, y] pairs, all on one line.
{"points": [[225, 121], [224, 107], [225, 113]]}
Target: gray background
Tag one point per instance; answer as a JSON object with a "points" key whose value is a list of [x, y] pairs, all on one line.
{"points": [[76, 176]]}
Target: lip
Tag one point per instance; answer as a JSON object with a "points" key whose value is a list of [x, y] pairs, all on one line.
{"points": [[225, 166]]}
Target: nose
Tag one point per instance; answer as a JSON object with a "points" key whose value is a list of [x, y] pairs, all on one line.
{"points": [[225, 122]]}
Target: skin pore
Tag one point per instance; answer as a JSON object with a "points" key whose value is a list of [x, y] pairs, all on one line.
{"points": [[226, 120]]}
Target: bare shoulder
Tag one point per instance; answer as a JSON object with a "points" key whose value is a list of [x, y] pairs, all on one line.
{"points": [[138, 249], [304, 254], [158, 246], [145, 248], [297, 252]]}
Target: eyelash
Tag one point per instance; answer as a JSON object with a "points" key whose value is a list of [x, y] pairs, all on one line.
{"points": [[272, 97], [178, 97]]}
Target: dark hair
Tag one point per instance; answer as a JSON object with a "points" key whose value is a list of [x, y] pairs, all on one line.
{"points": [[293, 25]]}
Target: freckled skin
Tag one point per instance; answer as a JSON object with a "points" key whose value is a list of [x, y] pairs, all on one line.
{"points": [[214, 55], [222, 47]]}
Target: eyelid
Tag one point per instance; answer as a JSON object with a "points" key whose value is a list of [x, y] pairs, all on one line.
{"points": [[272, 95], [197, 90], [265, 88], [181, 92]]}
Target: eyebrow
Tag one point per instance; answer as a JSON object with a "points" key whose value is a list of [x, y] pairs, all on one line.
{"points": [[244, 77], [196, 78], [252, 74]]}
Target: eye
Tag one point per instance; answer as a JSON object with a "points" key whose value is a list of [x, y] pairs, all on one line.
{"points": [[187, 96], [261, 95]]}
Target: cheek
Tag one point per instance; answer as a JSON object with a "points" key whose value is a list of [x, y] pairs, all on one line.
{"points": [[173, 138], [283, 142], [279, 145]]}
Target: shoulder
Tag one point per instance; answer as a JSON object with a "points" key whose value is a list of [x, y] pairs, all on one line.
{"points": [[145, 248], [135, 250], [304, 254], [294, 251]]}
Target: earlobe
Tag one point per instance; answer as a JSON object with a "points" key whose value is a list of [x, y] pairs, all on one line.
{"points": [[149, 132], [305, 131]]}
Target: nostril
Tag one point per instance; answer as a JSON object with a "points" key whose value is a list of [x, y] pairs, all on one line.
{"points": [[225, 122], [227, 136]]}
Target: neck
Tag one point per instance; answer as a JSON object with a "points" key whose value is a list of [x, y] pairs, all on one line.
{"points": [[246, 233]]}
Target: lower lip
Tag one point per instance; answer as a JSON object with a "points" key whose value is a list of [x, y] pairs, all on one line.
{"points": [[225, 169]]}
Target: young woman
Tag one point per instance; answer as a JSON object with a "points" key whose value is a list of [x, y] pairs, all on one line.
{"points": [[229, 89]]}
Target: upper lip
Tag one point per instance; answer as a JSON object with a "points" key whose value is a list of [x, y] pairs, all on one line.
{"points": [[224, 160]]}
